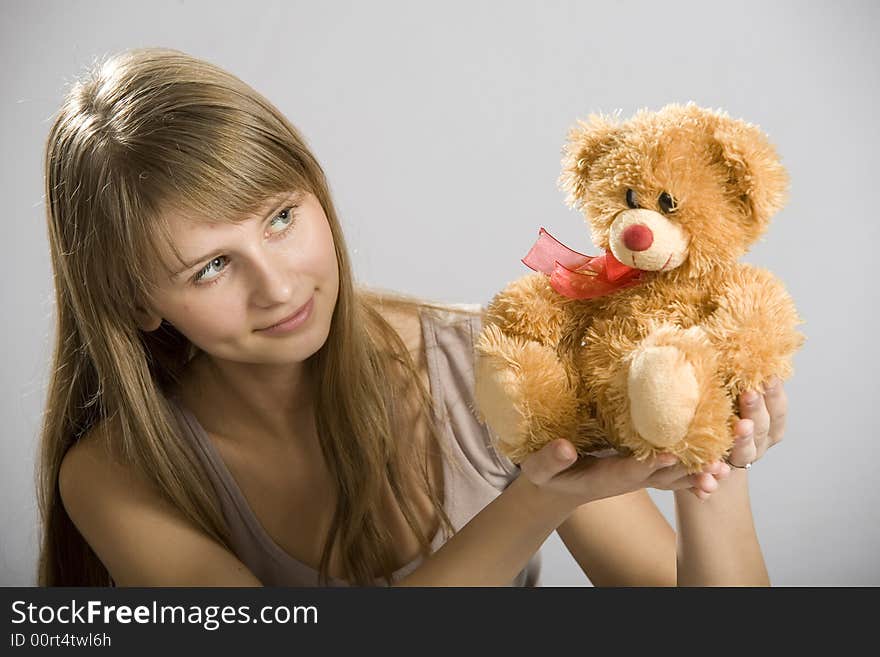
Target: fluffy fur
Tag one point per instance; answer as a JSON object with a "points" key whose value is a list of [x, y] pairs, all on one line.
{"points": [[656, 367]]}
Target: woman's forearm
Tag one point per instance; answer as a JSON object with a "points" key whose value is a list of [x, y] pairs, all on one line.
{"points": [[716, 540], [497, 543]]}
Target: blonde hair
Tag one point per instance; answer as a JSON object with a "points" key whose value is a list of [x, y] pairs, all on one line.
{"points": [[151, 129]]}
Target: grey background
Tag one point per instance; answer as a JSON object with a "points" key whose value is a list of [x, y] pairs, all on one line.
{"points": [[440, 126]]}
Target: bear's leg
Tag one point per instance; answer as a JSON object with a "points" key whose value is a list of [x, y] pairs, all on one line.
{"points": [[676, 401], [522, 393]]}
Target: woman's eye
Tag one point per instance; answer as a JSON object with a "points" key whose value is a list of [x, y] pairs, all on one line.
{"points": [[631, 200], [667, 203], [201, 275], [285, 214]]}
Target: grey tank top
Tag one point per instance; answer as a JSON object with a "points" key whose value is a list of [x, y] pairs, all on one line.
{"points": [[477, 475]]}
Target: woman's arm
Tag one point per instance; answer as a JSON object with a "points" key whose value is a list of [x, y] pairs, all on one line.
{"points": [[622, 541], [717, 544], [618, 541], [497, 543], [619, 537], [625, 541]]}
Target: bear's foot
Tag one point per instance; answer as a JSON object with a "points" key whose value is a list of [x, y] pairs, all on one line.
{"points": [[674, 400], [522, 392], [663, 394]]}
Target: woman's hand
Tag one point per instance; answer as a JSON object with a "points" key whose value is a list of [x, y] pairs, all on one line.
{"points": [[557, 471], [556, 468], [761, 425]]}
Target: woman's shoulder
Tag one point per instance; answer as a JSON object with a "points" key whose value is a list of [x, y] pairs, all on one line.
{"points": [[141, 537], [95, 447], [93, 468], [95, 464], [406, 323], [406, 313]]}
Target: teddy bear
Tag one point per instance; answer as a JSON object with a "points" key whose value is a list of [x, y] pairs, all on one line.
{"points": [[645, 348]]}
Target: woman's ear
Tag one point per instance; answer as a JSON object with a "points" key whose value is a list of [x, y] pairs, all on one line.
{"points": [[587, 142], [147, 321], [755, 173]]}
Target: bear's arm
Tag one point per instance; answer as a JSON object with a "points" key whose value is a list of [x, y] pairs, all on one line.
{"points": [[754, 329], [529, 308]]}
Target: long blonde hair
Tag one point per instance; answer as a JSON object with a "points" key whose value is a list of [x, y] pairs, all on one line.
{"points": [[151, 129]]}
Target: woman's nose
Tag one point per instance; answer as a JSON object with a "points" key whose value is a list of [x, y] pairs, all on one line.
{"points": [[273, 284], [638, 237]]}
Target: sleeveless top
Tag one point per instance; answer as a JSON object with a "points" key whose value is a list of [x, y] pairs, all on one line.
{"points": [[477, 475]]}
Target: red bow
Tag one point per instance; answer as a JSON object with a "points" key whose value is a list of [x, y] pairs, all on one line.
{"points": [[579, 276]]}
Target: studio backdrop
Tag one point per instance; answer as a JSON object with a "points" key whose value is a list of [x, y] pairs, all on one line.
{"points": [[440, 127]]}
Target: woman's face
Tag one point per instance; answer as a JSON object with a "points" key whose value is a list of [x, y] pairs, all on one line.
{"points": [[250, 275]]}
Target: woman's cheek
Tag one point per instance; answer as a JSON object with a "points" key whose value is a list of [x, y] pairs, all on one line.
{"points": [[330, 269], [211, 323]]}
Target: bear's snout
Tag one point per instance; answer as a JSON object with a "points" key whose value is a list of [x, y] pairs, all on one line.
{"points": [[647, 240], [638, 237]]}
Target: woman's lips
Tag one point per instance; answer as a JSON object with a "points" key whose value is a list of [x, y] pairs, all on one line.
{"points": [[293, 320]]}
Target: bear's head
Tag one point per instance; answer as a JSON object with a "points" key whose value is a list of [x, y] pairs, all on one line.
{"points": [[683, 189]]}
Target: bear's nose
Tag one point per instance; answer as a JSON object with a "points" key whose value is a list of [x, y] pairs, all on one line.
{"points": [[638, 237]]}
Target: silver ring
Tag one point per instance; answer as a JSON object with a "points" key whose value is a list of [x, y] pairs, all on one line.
{"points": [[734, 465]]}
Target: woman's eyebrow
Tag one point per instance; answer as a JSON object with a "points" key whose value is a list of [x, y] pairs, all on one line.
{"points": [[278, 201]]}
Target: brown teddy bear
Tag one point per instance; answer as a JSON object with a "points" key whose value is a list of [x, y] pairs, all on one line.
{"points": [[644, 349]]}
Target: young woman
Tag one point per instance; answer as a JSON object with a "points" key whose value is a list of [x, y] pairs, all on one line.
{"points": [[187, 442]]}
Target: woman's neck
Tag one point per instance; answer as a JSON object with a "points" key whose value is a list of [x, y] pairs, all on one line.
{"points": [[265, 403]]}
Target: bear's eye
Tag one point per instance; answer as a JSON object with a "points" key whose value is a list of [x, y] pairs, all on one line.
{"points": [[667, 203], [631, 200]]}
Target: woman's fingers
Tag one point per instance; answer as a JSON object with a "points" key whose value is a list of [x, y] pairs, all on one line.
{"points": [[705, 482], [541, 466], [615, 475], [699, 493], [664, 477], [777, 407], [752, 407], [745, 447], [702, 484], [761, 425]]}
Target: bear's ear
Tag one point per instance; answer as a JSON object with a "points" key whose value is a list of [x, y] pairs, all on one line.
{"points": [[587, 141], [755, 174]]}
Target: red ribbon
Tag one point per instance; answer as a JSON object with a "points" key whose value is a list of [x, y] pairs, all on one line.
{"points": [[579, 276]]}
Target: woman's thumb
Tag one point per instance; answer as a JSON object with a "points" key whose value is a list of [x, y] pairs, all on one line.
{"points": [[554, 457]]}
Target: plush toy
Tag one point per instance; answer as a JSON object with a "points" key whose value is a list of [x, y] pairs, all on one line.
{"points": [[645, 348]]}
